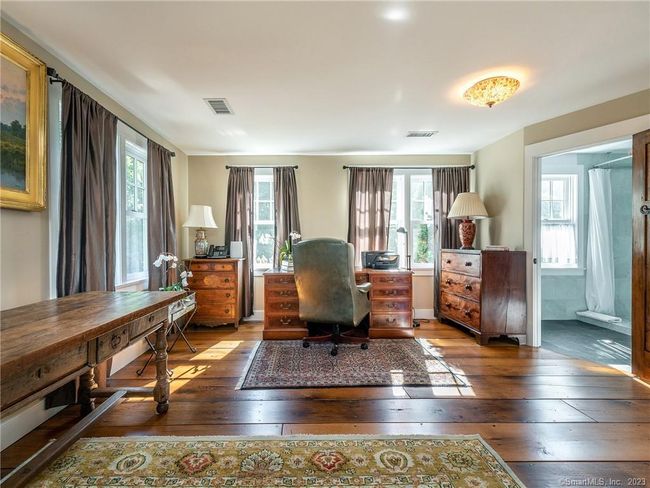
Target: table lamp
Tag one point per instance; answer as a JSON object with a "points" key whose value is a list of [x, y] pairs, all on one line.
{"points": [[201, 218], [466, 207]]}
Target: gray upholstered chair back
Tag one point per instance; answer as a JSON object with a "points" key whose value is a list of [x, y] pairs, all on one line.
{"points": [[327, 290]]}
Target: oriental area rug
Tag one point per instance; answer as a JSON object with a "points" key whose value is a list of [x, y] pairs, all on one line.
{"points": [[386, 362], [296, 461]]}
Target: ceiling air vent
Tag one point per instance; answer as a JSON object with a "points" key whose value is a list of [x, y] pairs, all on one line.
{"points": [[219, 106], [421, 133]]}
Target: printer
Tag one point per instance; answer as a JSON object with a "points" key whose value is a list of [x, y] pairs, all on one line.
{"points": [[379, 259]]}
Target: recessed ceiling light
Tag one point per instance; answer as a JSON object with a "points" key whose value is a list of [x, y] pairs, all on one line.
{"points": [[396, 14]]}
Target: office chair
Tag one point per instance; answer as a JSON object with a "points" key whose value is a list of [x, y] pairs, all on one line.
{"points": [[327, 290]]}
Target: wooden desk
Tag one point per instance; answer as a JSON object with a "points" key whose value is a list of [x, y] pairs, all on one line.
{"points": [[48, 344], [391, 304]]}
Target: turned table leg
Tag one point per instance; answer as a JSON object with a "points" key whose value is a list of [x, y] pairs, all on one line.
{"points": [[161, 390], [86, 385]]}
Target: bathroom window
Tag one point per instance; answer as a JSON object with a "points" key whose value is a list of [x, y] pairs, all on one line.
{"points": [[560, 232]]}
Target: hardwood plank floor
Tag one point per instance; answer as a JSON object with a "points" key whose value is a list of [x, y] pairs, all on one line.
{"points": [[554, 419]]}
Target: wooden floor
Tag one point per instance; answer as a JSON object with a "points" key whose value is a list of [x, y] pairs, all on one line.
{"points": [[553, 419]]}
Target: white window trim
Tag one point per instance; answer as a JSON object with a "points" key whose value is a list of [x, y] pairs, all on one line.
{"points": [[565, 168], [406, 218], [262, 174], [132, 143]]}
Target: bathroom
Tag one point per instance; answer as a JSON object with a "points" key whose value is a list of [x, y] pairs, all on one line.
{"points": [[586, 253]]}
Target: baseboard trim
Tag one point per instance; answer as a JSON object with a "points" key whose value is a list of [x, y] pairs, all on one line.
{"points": [[423, 313], [258, 316]]}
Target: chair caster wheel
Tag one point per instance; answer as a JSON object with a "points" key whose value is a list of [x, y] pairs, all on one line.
{"points": [[334, 351], [305, 344], [364, 346]]}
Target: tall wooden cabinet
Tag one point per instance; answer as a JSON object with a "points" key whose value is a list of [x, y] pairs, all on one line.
{"points": [[484, 291], [218, 287]]}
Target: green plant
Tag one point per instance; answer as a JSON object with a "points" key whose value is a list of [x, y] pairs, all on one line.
{"points": [[423, 250], [286, 250]]}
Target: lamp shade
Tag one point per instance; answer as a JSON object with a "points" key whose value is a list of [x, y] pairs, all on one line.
{"points": [[201, 216], [467, 206]]}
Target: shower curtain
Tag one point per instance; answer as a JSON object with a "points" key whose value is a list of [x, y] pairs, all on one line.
{"points": [[600, 253]]}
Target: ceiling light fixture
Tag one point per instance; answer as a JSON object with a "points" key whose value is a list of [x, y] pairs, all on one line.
{"points": [[491, 91], [396, 14]]}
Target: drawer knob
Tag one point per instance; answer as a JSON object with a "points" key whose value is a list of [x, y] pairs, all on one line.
{"points": [[115, 341], [468, 312], [150, 318], [227, 295], [390, 321], [448, 281], [448, 304], [285, 321], [285, 306], [227, 310], [227, 280], [448, 261], [468, 287], [391, 305], [468, 263]]}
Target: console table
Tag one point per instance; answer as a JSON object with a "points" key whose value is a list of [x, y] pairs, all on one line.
{"points": [[45, 345], [391, 304]]}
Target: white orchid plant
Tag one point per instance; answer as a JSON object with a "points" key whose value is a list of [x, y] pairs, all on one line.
{"points": [[175, 270], [286, 250]]}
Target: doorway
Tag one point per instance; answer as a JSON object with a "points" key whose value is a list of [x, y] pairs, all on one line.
{"points": [[585, 233]]}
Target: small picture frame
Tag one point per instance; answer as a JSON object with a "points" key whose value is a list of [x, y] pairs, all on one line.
{"points": [[23, 102]]}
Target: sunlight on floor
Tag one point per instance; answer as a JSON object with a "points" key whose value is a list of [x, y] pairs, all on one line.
{"points": [[218, 351], [181, 375], [397, 379]]}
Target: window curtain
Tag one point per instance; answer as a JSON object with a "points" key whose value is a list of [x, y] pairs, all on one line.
{"points": [[369, 209], [287, 219], [86, 257], [161, 216], [447, 183], [600, 283], [559, 244], [239, 227]]}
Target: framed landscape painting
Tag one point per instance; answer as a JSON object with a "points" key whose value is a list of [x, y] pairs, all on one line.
{"points": [[22, 128]]}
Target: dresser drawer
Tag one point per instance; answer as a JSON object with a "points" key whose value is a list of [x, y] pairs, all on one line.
{"points": [[216, 311], [382, 293], [139, 326], [284, 321], [390, 281], [462, 285], [33, 378], [461, 310], [390, 306], [215, 297], [282, 306], [272, 293], [394, 320], [215, 266], [361, 278], [224, 281], [111, 343], [469, 264], [280, 281]]}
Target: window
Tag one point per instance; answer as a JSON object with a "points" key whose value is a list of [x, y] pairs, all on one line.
{"points": [[559, 212], [132, 257], [412, 208], [263, 219]]}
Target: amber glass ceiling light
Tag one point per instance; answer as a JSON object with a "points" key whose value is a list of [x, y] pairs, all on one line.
{"points": [[491, 91]]}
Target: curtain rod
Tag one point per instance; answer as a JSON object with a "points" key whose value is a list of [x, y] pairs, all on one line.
{"points": [[295, 166], [414, 167], [55, 78], [612, 161]]}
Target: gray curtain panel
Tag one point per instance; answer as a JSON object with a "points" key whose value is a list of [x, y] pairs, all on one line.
{"points": [[86, 259], [161, 215], [447, 183], [287, 219], [239, 226], [369, 209]]}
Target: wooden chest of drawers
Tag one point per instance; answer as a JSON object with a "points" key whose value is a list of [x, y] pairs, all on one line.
{"points": [[391, 305], [217, 283], [484, 291]]}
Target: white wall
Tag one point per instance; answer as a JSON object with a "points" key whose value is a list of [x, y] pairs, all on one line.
{"points": [[322, 197]]}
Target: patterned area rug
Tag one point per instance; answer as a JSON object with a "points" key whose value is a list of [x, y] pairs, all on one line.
{"points": [[350, 461], [386, 362]]}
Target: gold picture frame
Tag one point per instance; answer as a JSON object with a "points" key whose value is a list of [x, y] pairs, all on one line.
{"points": [[23, 102]]}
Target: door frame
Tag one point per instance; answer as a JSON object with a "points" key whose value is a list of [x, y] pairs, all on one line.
{"points": [[533, 153]]}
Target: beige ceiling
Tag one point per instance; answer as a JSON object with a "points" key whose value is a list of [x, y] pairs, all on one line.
{"points": [[341, 77]]}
